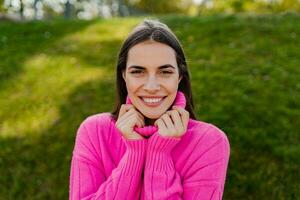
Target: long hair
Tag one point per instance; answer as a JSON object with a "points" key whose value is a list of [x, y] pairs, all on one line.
{"points": [[152, 30]]}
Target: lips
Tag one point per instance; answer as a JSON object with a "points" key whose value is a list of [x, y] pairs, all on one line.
{"points": [[152, 101]]}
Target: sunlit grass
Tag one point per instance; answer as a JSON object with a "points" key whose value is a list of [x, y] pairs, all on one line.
{"points": [[44, 84], [50, 75]]}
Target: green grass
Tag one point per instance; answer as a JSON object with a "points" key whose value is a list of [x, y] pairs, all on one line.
{"points": [[245, 78]]}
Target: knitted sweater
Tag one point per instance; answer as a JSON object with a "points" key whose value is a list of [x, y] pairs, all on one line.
{"points": [[105, 165]]}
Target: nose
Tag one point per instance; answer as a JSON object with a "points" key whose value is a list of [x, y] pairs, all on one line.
{"points": [[151, 84]]}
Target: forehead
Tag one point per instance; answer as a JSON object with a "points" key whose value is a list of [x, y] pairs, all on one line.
{"points": [[151, 54]]}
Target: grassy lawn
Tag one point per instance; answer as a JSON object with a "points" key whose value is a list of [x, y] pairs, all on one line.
{"points": [[244, 77]]}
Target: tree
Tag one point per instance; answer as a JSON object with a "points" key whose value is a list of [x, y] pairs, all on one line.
{"points": [[160, 6], [21, 11], [68, 9]]}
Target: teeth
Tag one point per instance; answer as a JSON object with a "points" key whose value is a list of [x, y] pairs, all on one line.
{"points": [[152, 100]]}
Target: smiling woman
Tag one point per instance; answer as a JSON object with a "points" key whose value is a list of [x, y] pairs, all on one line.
{"points": [[151, 146]]}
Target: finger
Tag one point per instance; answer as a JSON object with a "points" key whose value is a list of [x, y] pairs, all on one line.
{"points": [[124, 108], [139, 118], [155, 123], [179, 109], [123, 120], [134, 110], [178, 123], [126, 114], [185, 115], [140, 121], [128, 130], [168, 121], [129, 121], [161, 124]]}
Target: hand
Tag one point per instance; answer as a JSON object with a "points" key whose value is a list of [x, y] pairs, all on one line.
{"points": [[173, 123], [127, 119]]}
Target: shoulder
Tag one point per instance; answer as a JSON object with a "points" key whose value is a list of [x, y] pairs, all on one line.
{"points": [[201, 128], [208, 134], [94, 126], [95, 120], [90, 137]]}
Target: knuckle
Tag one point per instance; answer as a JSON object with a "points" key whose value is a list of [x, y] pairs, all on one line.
{"points": [[163, 117], [158, 121], [169, 112], [123, 106], [174, 112], [126, 105], [167, 115]]}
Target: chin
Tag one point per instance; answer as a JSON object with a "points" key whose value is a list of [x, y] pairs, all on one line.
{"points": [[154, 112], [152, 115]]}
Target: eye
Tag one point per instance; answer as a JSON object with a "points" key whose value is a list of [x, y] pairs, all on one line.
{"points": [[167, 72], [136, 71]]}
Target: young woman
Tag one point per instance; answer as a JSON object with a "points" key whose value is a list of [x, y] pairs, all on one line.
{"points": [[151, 146]]}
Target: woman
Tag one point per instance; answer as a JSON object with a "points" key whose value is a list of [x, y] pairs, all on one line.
{"points": [[151, 146]]}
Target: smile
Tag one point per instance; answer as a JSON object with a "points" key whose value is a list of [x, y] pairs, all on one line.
{"points": [[152, 102]]}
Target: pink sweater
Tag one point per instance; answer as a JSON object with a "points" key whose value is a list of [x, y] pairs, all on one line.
{"points": [[107, 166]]}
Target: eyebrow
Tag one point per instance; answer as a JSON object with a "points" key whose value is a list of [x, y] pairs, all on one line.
{"points": [[160, 67]]}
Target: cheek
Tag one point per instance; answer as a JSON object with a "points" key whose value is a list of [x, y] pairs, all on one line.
{"points": [[171, 85], [132, 85]]}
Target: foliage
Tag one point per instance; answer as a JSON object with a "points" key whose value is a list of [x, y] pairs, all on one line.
{"points": [[161, 6], [258, 6], [88, 9], [1, 5]]}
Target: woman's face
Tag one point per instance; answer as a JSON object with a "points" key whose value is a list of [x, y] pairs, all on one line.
{"points": [[151, 77]]}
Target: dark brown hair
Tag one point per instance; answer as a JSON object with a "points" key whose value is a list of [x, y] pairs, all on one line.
{"points": [[152, 30]]}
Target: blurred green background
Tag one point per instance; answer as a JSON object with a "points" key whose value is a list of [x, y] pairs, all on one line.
{"points": [[57, 63]]}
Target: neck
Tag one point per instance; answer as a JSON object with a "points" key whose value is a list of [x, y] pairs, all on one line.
{"points": [[149, 122]]}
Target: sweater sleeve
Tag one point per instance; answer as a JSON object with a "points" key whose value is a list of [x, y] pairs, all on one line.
{"points": [[87, 177], [161, 181], [205, 175]]}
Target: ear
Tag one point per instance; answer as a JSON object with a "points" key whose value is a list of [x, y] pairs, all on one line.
{"points": [[179, 79], [123, 75]]}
